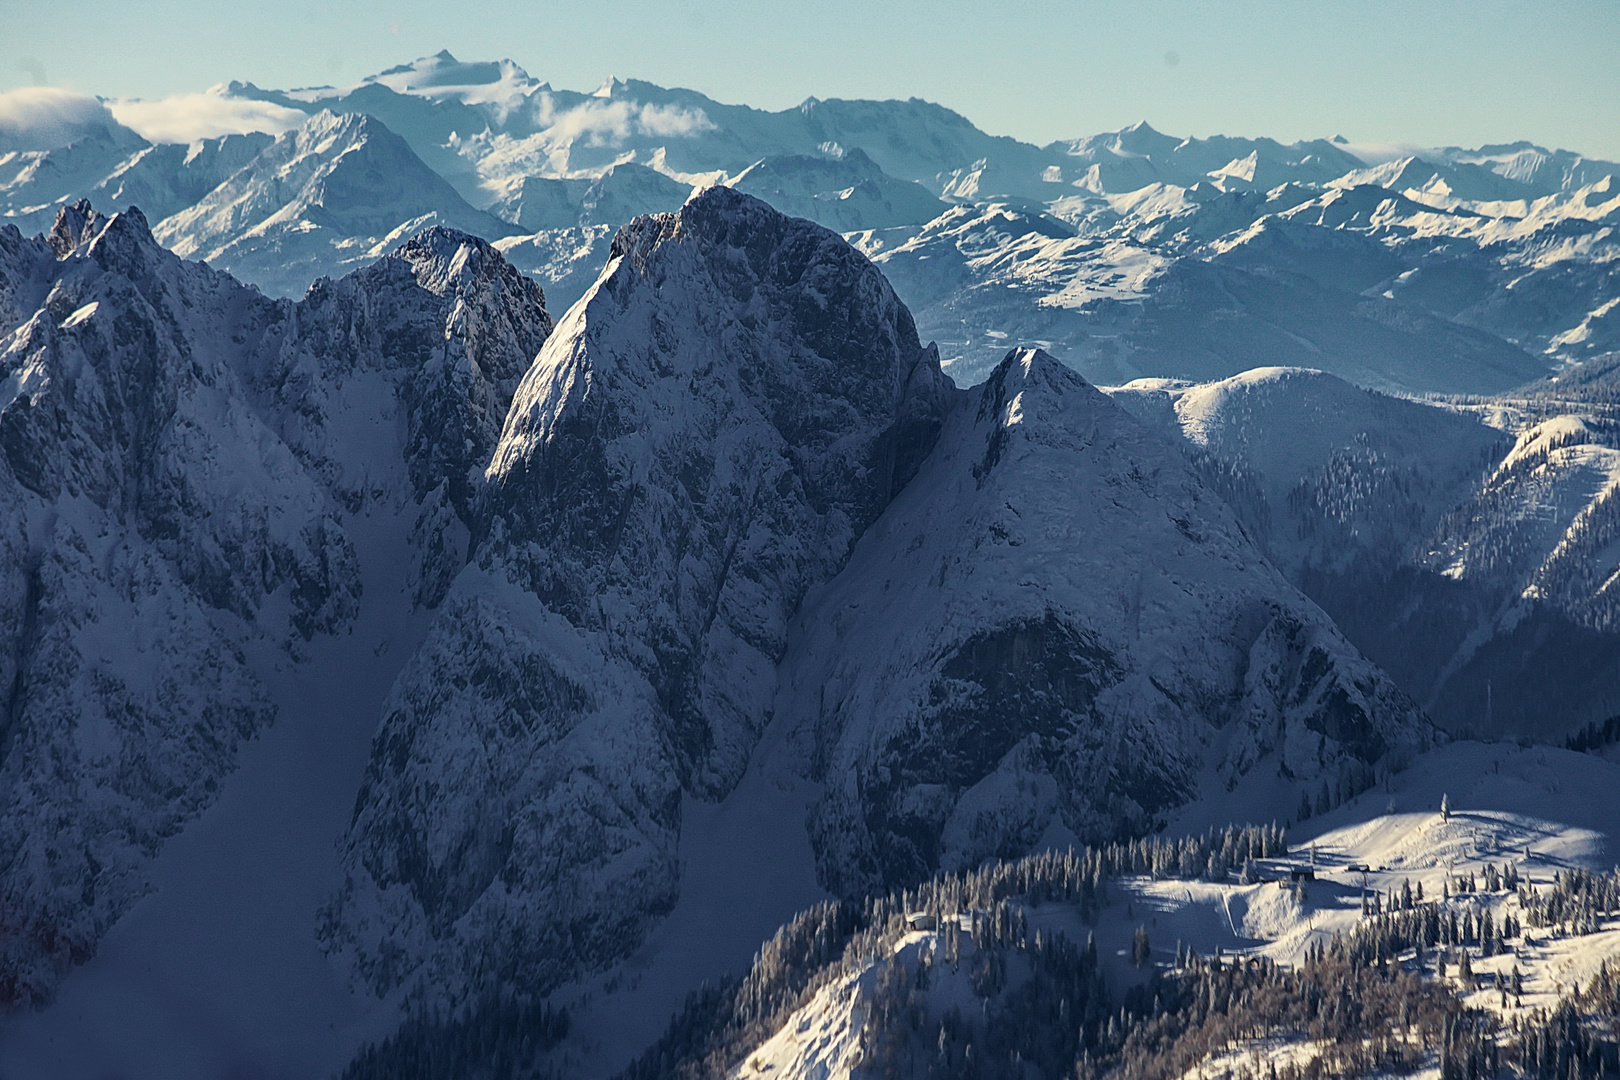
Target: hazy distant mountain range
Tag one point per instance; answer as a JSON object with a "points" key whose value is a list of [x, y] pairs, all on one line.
{"points": [[1126, 254]]}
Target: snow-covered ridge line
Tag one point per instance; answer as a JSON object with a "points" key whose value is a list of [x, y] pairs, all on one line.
{"points": [[187, 463], [1468, 548], [1435, 271]]}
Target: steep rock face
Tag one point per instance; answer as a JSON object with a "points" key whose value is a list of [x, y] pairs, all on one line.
{"points": [[702, 441], [181, 462], [121, 385], [630, 452], [429, 341], [1058, 632], [26, 267], [152, 525]]}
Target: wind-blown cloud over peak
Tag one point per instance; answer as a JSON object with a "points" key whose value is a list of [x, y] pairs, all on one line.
{"points": [[603, 122], [45, 117], [1378, 153], [184, 118]]}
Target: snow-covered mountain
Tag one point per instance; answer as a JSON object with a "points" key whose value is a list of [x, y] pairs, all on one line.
{"points": [[1126, 254], [1135, 157], [502, 122], [702, 440], [733, 490], [168, 178], [845, 191], [329, 195], [565, 262], [1470, 550], [35, 181], [723, 598], [621, 192], [495, 114], [1382, 290], [185, 462], [128, 609]]}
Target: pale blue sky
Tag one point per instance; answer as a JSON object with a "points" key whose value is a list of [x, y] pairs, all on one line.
{"points": [[1430, 73]]}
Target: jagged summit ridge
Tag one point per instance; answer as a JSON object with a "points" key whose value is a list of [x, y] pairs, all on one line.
{"points": [[183, 462], [699, 443], [1000, 669]]}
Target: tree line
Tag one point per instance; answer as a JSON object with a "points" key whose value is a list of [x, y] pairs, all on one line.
{"points": [[496, 1037]]}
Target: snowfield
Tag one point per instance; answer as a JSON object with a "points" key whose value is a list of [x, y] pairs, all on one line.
{"points": [[1545, 811]]}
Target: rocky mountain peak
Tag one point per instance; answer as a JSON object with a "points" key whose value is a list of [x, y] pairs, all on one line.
{"points": [[446, 260], [701, 442], [804, 323], [76, 225], [783, 383], [1029, 370], [125, 241], [1000, 667]]}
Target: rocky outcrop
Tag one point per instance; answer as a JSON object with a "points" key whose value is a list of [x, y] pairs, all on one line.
{"points": [[181, 461], [1057, 633], [701, 442]]}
